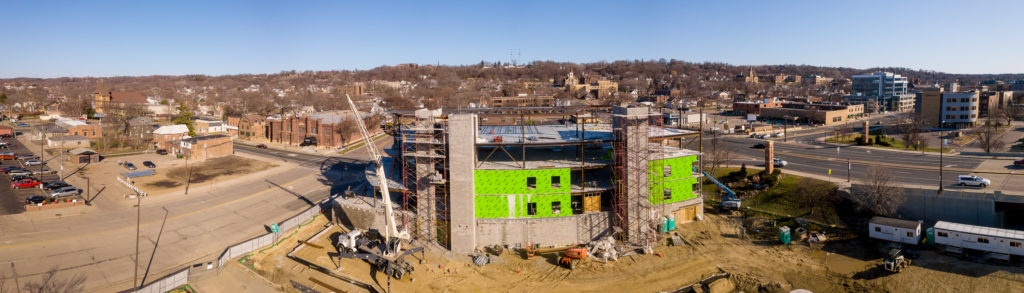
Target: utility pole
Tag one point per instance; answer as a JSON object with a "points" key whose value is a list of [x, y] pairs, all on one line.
{"points": [[138, 222]]}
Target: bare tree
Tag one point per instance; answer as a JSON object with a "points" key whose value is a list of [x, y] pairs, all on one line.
{"points": [[51, 283], [910, 131], [812, 193], [878, 192], [717, 156], [988, 136]]}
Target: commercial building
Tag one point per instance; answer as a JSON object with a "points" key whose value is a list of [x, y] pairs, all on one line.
{"points": [[201, 148], [81, 128], [474, 185], [118, 102], [814, 113], [325, 130], [929, 105], [164, 135], [755, 107], [960, 110], [880, 92]]}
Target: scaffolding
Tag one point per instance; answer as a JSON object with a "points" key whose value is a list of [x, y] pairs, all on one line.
{"points": [[631, 130], [425, 177]]}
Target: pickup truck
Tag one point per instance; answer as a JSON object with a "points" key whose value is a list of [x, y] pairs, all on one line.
{"points": [[25, 183]]}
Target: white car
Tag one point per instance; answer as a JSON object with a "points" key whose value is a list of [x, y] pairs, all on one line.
{"points": [[972, 180], [779, 163], [33, 162]]}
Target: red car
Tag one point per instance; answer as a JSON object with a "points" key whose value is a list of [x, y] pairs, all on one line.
{"points": [[25, 183], [1018, 163]]}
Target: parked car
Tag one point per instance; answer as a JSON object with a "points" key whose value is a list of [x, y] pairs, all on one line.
{"points": [[19, 177], [972, 180], [44, 171], [129, 166], [25, 183], [26, 156], [65, 191], [22, 124], [33, 162], [261, 146], [19, 172], [759, 145], [35, 199], [149, 164], [55, 184], [779, 163], [1018, 163], [161, 152], [7, 169], [7, 157]]}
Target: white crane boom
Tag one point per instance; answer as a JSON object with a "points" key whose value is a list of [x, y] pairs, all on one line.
{"points": [[391, 228]]}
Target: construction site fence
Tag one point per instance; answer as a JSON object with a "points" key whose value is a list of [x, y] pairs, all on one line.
{"points": [[181, 276], [168, 283]]}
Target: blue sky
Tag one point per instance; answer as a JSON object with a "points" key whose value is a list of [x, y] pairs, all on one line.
{"points": [[118, 38]]}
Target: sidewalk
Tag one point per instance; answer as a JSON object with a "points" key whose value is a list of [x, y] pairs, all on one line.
{"points": [[233, 277]]}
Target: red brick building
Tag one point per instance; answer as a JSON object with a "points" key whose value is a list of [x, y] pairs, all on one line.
{"points": [[331, 130], [251, 127]]}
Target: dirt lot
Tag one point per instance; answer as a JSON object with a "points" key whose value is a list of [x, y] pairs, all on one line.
{"points": [[171, 173], [753, 265]]}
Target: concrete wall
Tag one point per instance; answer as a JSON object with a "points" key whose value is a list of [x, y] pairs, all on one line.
{"points": [[973, 207], [462, 162], [545, 232]]}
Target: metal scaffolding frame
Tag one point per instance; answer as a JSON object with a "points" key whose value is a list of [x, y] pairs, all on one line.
{"points": [[425, 177], [631, 129]]}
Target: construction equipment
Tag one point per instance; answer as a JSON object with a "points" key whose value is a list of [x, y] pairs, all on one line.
{"points": [[731, 201], [895, 262], [572, 257], [383, 251]]}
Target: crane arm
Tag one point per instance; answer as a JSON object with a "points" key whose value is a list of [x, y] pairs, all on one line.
{"points": [[389, 217]]}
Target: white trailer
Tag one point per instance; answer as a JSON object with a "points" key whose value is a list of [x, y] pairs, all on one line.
{"points": [[895, 230], [980, 238]]}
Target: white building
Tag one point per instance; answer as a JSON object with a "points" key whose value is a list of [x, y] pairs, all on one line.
{"points": [[959, 110]]}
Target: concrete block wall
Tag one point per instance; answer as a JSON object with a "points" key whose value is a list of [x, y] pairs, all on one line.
{"points": [[545, 232], [973, 207]]}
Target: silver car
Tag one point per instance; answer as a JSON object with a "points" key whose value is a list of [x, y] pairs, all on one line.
{"points": [[33, 162], [65, 191]]}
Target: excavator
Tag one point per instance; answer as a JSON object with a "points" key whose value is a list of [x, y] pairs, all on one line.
{"points": [[383, 251]]}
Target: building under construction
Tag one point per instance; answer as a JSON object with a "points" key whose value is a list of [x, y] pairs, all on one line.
{"points": [[469, 185]]}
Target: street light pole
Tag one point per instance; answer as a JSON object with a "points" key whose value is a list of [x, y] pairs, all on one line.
{"points": [[942, 150]]}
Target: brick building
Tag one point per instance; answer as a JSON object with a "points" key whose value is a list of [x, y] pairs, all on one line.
{"points": [[201, 148], [329, 129], [163, 136], [251, 127], [117, 102], [81, 128]]}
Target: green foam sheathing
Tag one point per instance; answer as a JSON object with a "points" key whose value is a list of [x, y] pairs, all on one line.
{"points": [[680, 181], [505, 194]]}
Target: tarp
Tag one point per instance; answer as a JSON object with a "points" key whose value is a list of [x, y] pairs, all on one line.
{"points": [[140, 173]]}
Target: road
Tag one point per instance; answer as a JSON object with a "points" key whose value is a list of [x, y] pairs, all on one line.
{"points": [[176, 230]]}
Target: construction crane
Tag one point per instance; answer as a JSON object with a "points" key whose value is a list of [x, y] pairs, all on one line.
{"points": [[385, 253], [731, 201]]}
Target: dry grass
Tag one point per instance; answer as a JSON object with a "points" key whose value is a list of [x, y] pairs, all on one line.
{"points": [[223, 167]]}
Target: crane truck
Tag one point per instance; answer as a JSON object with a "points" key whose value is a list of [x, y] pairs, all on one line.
{"points": [[730, 201], [383, 251]]}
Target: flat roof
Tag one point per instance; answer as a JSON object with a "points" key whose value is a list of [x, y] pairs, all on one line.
{"points": [[980, 230], [908, 224]]}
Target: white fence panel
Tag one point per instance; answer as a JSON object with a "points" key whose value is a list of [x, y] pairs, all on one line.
{"points": [[167, 283]]}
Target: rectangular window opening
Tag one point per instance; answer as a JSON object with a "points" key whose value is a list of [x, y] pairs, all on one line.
{"points": [[668, 193], [531, 182], [1014, 244], [982, 240], [943, 234], [878, 229], [531, 209], [668, 171], [556, 182], [556, 207]]}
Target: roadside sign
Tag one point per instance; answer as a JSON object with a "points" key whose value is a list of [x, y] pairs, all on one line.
{"points": [[273, 228], [829, 171]]}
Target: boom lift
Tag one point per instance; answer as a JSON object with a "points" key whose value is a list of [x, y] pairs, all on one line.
{"points": [[731, 201], [383, 251]]}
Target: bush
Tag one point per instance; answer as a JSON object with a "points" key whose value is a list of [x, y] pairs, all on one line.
{"points": [[884, 143]]}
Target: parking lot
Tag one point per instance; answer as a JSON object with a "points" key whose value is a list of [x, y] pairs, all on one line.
{"points": [[13, 200]]}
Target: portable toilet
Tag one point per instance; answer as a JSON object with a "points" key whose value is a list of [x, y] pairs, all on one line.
{"points": [[672, 223], [663, 228], [784, 235], [929, 235]]}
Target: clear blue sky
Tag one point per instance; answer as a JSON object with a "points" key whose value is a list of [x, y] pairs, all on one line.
{"points": [[111, 38]]}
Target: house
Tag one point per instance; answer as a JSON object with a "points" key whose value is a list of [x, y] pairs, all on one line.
{"points": [[201, 148], [204, 126], [165, 134], [141, 127], [83, 155]]}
